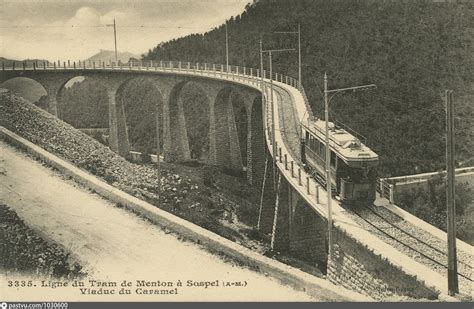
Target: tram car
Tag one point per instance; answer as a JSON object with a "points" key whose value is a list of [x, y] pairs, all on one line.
{"points": [[353, 166]]}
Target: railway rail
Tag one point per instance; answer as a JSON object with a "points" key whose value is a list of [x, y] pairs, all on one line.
{"points": [[420, 249]]}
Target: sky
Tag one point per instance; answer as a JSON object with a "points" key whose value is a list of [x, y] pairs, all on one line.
{"points": [[69, 29]]}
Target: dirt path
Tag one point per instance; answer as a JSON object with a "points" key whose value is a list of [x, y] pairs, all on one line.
{"points": [[114, 244]]}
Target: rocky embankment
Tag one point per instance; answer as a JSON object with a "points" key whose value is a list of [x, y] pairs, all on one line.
{"points": [[23, 251], [195, 194]]}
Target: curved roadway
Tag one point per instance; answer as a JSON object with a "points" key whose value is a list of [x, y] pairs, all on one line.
{"points": [[114, 244]]}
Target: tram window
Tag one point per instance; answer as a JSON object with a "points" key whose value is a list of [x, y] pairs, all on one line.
{"points": [[372, 173], [333, 159], [357, 174], [341, 165], [342, 168], [322, 151]]}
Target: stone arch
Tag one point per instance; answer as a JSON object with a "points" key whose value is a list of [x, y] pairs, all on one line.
{"points": [[179, 148], [28, 88], [240, 118], [308, 240], [195, 102], [81, 101], [228, 152], [256, 147], [141, 99]]}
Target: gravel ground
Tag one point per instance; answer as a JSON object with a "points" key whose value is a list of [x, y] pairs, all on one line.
{"points": [[464, 259]]}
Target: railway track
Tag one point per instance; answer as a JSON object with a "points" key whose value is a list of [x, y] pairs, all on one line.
{"points": [[421, 248]]}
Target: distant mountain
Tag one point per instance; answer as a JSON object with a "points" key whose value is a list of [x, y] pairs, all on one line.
{"points": [[109, 55], [8, 62]]}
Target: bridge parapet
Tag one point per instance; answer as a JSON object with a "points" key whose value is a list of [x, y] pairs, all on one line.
{"points": [[206, 69], [426, 176]]}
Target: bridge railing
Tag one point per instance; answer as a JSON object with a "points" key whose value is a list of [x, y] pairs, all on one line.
{"points": [[386, 190], [231, 70]]}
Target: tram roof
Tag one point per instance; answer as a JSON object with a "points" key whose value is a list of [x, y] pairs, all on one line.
{"points": [[342, 142]]}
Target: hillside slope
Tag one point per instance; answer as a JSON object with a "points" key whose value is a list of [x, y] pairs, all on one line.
{"points": [[412, 51], [212, 200], [18, 63]]}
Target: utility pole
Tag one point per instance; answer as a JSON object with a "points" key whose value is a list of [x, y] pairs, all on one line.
{"points": [[328, 166], [299, 55], [299, 49], [261, 61], [263, 88], [273, 110], [226, 48], [115, 40], [273, 123], [158, 151], [328, 149], [453, 287]]}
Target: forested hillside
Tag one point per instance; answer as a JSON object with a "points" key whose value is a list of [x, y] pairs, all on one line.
{"points": [[84, 105], [26, 88], [411, 51]]}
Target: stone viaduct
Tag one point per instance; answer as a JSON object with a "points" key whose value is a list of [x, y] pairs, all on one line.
{"points": [[225, 149], [293, 211]]}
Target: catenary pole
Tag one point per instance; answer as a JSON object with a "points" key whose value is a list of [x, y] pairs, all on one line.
{"points": [[226, 48], [115, 41], [328, 153], [299, 51], [272, 111], [299, 55], [158, 152], [273, 122], [328, 167], [453, 287]]}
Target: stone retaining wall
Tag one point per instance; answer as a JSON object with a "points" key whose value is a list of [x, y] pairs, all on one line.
{"points": [[355, 267]]}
